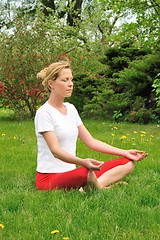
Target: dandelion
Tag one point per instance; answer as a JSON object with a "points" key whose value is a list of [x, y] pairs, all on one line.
{"points": [[1, 226], [65, 238], [135, 132], [143, 132], [142, 135], [115, 128], [3, 134], [112, 134], [14, 137], [123, 137], [55, 231]]}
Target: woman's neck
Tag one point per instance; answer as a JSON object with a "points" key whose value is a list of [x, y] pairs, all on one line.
{"points": [[56, 102]]}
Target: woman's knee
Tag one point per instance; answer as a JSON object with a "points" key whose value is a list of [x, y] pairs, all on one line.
{"points": [[129, 166]]}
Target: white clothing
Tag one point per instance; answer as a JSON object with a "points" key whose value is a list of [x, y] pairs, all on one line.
{"points": [[65, 127]]}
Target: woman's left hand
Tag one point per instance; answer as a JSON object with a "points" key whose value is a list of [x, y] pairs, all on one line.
{"points": [[135, 155]]}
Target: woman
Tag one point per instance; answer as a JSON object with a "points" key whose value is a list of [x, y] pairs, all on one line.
{"points": [[58, 126]]}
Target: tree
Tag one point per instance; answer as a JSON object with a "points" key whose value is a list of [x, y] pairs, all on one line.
{"points": [[107, 21], [31, 48], [81, 31], [131, 72]]}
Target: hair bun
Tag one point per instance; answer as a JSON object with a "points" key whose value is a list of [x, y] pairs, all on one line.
{"points": [[42, 74]]}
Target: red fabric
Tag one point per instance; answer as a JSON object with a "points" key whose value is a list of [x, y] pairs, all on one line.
{"points": [[72, 179]]}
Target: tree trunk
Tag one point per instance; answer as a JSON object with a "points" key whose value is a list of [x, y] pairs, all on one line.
{"points": [[74, 15]]}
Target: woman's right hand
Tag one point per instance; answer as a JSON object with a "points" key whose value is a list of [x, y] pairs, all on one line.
{"points": [[92, 164]]}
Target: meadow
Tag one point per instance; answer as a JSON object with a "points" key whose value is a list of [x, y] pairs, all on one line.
{"points": [[123, 212]]}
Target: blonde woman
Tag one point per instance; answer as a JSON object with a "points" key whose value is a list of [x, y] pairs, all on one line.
{"points": [[58, 125]]}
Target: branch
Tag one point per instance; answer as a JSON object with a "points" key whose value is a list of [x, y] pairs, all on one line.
{"points": [[154, 5]]}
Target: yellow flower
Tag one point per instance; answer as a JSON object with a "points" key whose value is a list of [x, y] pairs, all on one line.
{"points": [[115, 128], [14, 137], [135, 132], [143, 132], [65, 238], [112, 134], [143, 135], [3, 134], [123, 137], [1, 226], [55, 231]]}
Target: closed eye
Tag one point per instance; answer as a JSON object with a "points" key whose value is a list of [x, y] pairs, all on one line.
{"points": [[66, 80]]}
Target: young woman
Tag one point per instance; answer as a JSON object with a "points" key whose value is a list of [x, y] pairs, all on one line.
{"points": [[58, 125]]}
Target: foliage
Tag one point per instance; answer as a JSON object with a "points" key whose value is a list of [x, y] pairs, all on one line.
{"points": [[156, 88], [131, 73], [36, 33], [90, 95], [106, 21], [30, 49], [20, 57]]}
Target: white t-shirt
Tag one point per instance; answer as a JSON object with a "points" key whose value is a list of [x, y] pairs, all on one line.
{"points": [[65, 127]]}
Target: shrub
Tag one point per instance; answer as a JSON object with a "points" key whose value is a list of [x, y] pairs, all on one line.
{"points": [[142, 116], [33, 46], [156, 88]]}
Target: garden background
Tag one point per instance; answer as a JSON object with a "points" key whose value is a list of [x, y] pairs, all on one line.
{"points": [[113, 47]]}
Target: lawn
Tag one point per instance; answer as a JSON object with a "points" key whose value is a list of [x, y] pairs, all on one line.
{"points": [[129, 212]]}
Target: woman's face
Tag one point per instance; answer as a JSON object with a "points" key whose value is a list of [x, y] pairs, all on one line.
{"points": [[63, 85]]}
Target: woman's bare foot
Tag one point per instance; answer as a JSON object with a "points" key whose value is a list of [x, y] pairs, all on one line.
{"points": [[117, 183], [121, 183], [92, 181], [81, 190]]}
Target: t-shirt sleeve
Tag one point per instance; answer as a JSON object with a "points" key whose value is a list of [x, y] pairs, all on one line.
{"points": [[78, 118], [43, 122]]}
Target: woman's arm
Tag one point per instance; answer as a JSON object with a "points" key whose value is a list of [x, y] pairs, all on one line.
{"points": [[102, 147], [53, 144]]}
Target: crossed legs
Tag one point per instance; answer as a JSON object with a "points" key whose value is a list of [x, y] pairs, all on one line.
{"points": [[110, 176], [110, 173], [115, 174]]}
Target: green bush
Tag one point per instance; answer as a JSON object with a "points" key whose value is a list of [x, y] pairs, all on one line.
{"points": [[130, 73], [142, 116], [22, 56], [156, 88], [33, 46], [118, 87], [91, 95]]}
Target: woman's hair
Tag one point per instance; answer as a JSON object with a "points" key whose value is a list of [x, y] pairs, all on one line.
{"points": [[52, 72]]}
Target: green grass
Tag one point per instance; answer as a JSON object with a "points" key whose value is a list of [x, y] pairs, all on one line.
{"points": [[129, 212]]}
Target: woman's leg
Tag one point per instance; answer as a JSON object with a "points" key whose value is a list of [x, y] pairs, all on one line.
{"points": [[115, 174], [66, 180], [111, 172], [92, 180]]}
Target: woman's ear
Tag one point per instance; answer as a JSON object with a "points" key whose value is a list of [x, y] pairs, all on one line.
{"points": [[50, 84]]}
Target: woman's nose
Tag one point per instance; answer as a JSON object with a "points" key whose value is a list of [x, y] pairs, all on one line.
{"points": [[70, 83]]}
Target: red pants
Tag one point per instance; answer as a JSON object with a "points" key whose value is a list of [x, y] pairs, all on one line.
{"points": [[73, 179]]}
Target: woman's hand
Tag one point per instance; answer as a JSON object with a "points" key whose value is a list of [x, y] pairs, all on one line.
{"points": [[92, 164], [135, 155]]}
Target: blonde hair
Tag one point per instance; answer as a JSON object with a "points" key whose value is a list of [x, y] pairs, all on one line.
{"points": [[51, 72]]}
